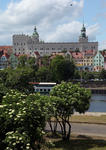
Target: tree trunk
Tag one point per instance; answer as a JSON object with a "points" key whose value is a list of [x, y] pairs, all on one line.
{"points": [[69, 131]]}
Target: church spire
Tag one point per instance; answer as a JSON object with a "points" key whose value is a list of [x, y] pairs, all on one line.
{"points": [[83, 31], [35, 33], [83, 37]]}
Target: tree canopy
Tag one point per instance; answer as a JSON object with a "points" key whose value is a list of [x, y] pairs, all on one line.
{"points": [[72, 98], [62, 69]]}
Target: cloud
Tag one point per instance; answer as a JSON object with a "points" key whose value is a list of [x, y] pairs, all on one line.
{"points": [[102, 45], [93, 31], [65, 32], [55, 20]]}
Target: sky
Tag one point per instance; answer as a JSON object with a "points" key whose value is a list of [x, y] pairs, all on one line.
{"points": [[56, 20]]}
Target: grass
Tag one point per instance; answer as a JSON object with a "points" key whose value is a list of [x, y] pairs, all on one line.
{"points": [[89, 119], [79, 143]]}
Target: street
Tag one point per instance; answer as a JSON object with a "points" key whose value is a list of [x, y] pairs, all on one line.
{"points": [[85, 129]]}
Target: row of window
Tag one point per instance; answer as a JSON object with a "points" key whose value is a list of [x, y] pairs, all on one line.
{"points": [[19, 43], [43, 90]]}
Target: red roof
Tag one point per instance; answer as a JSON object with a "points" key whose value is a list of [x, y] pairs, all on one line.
{"points": [[89, 52], [77, 55], [6, 49], [37, 53]]}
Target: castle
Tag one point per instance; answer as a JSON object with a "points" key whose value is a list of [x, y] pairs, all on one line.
{"points": [[25, 44]]}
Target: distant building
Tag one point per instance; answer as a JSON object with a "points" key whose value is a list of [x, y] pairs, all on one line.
{"points": [[78, 59], [4, 61], [25, 44], [98, 61]]}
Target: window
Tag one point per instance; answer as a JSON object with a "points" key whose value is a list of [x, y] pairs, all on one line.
{"points": [[44, 90]]}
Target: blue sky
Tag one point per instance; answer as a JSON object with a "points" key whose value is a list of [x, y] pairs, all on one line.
{"points": [[56, 20]]}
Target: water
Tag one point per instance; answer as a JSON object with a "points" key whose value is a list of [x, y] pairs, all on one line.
{"points": [[98, 103]]}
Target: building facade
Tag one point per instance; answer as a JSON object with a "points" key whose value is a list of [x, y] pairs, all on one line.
{"points": [[98, 61], [24, 44]]}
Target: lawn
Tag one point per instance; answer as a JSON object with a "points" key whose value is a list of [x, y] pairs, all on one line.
{"points": [[89, 119], [79, 143]]}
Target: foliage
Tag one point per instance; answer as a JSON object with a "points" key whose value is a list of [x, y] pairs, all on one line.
{"points": [[19, 79], [22, 60], [88, 75], [61, 69], [45, 61], [43, 74], [77, 74], [72, 98], [31, 62], [22, 121], [3, 91], [102, 74]]}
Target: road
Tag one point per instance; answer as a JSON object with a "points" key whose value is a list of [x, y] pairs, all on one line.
{"points": [[86, 129]]}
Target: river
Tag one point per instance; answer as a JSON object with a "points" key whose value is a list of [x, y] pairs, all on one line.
{"points": [[98, 103]]}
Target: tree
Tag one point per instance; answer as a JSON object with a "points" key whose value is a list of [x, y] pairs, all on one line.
{"points": [[72, 98], [61, 69], [22, 121], [88, 75], [3, 91], [19, 79], [102, 74], [45, 61], [31, 62], [43, 74], [22, 60]]}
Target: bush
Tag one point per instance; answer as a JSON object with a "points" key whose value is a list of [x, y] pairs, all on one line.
{"points": [[22, 121]]}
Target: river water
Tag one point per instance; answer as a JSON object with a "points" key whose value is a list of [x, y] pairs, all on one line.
{"points": [[98, 103]]}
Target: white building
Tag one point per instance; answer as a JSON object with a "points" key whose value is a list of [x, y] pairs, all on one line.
{"points": [[24, 44]]}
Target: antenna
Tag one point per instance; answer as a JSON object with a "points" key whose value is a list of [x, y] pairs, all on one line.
{"points": [[83, 20]]}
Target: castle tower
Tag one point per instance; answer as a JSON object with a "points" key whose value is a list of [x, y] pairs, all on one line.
{"points": [[35, 35], [83, 37]]}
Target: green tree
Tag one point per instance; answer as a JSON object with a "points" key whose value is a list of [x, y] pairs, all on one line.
{"points": [[3, 91], [61, 69], [45, 61], [72, 98], [19, 79], [43, 74], [22, 60], [31, 62], [102, 74], [88, 75]]}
